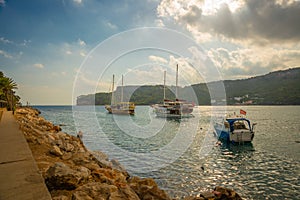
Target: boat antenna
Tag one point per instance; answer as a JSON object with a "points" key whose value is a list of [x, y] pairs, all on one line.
{"points": [[176, 93], [122, 92], [165, 85]]}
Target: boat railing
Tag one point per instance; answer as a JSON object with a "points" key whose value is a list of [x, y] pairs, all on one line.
{"points": [[253, 125]]}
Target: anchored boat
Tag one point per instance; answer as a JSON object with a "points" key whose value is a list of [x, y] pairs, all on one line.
{"points": [[235, 128], [126, 108], [173, 109]]}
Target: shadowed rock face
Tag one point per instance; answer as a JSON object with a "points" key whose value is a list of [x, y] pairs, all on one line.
{"points": [[62, 177], [72, 172]]}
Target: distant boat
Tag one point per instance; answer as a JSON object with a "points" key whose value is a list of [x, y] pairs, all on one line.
{"points": [[173, 109], [235, 128], [125, 108]]}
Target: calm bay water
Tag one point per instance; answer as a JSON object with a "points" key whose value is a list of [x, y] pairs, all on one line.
{"points": [[182, 155]]}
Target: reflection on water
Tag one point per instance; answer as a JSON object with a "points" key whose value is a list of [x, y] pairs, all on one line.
{"points": [[254, 175], [269, 168]]}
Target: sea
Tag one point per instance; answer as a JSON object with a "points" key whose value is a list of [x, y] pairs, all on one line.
{"points": [[184, 156]]}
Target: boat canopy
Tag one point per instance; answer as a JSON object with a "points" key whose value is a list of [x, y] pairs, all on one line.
{"points": [[232, 120]]}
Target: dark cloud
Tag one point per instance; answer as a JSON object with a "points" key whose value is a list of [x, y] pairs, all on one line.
{"points": [[257, 19], [193, 15], [2, 3], [244, 62]]}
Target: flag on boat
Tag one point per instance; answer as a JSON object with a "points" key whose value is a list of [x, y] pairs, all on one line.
{"points": [[242, 112]]}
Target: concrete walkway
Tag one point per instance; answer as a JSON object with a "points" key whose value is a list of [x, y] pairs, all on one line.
{"points": [[19, 175]]}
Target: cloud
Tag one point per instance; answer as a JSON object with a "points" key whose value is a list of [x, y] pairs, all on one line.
{"points": [[14, 56], [187, 73], [73, 49], [2, 3], [256, 20], [78, 1], [81, 42], [39, 65], [5, 54], [153, 74], [3, 40], [82, 54], [159, 23], [110, 25], [25, 43], [241, 37], [87, 82], [145, 75], [246, 62], [157, 59], [7, 41]]}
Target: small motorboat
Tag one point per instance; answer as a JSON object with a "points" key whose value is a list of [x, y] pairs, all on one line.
{"points": [[235, 128]]}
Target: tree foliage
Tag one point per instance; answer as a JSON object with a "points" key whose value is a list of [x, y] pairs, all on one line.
{"points": [[7, 94]]}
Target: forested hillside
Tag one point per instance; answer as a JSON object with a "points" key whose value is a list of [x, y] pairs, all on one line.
{"points": [[275, 88]]}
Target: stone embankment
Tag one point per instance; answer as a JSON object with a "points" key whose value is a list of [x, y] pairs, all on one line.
{"points": [[73, 172]]}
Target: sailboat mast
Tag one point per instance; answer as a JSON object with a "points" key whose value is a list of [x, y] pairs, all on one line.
{"points": [[122, 92], [165, 85], [176, 81]]}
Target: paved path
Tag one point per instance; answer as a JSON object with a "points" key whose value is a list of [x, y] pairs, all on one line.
{"points": [[19, 175]]}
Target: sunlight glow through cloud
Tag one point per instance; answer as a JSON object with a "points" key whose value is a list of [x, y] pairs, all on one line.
{"points": [[211, 7], [78, 1]]}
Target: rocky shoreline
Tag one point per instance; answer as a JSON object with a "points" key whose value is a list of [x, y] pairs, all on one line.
{"points": [[73, 172]]}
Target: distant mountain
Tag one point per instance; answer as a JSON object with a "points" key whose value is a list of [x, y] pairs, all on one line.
{"points": [[275, 88]]}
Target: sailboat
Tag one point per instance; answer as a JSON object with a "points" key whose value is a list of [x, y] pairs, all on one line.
{"points": [[173, 109], [122, 107]]}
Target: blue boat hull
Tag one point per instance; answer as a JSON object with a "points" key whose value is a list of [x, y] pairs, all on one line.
{"points": [[222, 134], [234, 129]]}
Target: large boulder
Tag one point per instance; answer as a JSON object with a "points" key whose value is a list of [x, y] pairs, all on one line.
{"points": [[226, 194], [55, 150], [109, 176], [146, 188], [102, 159], [61, 177], [97, 190]]}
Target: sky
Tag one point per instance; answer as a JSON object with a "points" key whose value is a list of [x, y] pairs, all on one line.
{"points": [[58, 49]]}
